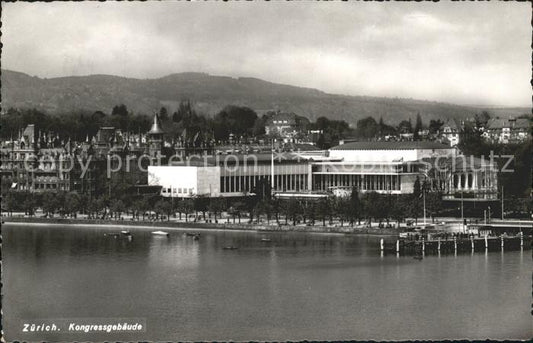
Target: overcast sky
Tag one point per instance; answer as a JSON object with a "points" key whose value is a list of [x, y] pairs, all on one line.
{"points": [[467, 53]]}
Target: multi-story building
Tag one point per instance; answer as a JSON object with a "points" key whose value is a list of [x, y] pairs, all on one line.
{"points": [[382, 167], [232, 175], [509, 130], [451, 132], [30, 163], [281, 124]]}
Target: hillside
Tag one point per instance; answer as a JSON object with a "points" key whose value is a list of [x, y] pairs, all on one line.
{"points": [[210, 94]]}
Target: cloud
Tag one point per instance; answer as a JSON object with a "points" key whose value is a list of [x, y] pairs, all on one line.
{"points": [[446, 51]]}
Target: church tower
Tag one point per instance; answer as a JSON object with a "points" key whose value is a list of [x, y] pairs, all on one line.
{"points": [[155, 138]]}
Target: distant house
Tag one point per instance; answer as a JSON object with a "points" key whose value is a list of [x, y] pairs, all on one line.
{"points": [[506, 131], [282, 124], [450, 132]]}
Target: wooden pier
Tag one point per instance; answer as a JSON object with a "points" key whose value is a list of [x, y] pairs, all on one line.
{"points": [[455, 244]]}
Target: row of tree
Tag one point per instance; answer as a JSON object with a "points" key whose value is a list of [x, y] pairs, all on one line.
{"points": [[357, 207]]}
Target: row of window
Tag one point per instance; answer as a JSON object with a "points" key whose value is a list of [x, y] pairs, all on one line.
{"points": [[178, 190], [50, 186], [285, 182], [323, 182]]}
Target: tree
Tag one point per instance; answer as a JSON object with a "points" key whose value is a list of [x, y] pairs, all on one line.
{"points": [[200, 204], [355, 206], [117, 207], [417, 188], [435, 125], [184, 113], [293, 210], [375, 207], [415, 206], [284, 209], [482, 119], [29, 204], [418, 127], [120, 110], [91, 207], [163, 114], [323, 209], [398, 209], [321, 142], [50, 203], [342, 208], [265, 207], [71, 203], [332, 130], [101, 205], [405, 126], [433, 204], [307, 210], [259, 126], [162, 206], [472, 141], [10, 201], [186, 206], [234, 119], [368, 128], [238, 208], [262, 190], [217, 205]]}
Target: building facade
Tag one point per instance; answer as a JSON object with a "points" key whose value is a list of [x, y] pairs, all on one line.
{"points": [[232, 175], [382, 167], [506, 131]]}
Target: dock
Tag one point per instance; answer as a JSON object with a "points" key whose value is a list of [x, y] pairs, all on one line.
{"points": [[453, 244]]}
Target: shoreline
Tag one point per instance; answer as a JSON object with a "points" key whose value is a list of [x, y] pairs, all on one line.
{"points": [[191, 226]]}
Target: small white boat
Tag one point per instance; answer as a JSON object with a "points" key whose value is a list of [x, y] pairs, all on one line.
{"points": [[160, 233], [125, 232]]}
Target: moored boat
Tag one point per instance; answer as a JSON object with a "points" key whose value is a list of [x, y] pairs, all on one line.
{"points": [[112, 234], [160, 233]]}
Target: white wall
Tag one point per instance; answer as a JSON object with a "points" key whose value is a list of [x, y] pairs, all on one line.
{"points": [[208, 181], [388, 155], [175, 178], [374, 155]]}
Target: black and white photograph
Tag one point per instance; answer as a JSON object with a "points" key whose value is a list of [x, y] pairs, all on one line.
{"points": [[187, 171]]}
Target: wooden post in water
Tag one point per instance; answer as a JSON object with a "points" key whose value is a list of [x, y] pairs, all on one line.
{"points": [[397, 246], [501, 238], [455, 243], [438, 244], [382, 244], [472, 242], [521, 239], [423, 245], [486, 242]]}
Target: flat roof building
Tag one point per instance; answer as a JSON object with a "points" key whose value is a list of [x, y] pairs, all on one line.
{"points": [[382, 167]]}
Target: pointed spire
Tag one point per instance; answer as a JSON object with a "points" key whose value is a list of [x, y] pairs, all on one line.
{"points": [[156, 126]]}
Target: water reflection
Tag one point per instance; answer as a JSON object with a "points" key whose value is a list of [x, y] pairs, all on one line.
{"points": [[272, 287]]}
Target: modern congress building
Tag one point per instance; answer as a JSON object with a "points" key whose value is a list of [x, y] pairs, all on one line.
{"points": [[382, 167]]}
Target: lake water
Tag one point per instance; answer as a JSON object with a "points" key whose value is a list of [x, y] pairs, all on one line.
{"points": [[297, 286]]}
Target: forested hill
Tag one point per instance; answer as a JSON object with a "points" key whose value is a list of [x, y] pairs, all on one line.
{"points": [[209, 94]]}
